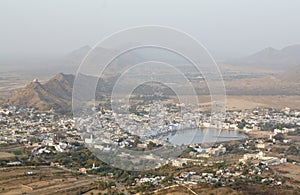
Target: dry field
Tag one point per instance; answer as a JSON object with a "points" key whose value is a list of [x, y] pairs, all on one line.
{"points": [[43, 180], [5, 155], [251, 102], [260, 134], [288, 170]]}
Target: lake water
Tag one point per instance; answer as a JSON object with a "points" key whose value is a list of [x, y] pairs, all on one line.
{"points": [[198, 136]]}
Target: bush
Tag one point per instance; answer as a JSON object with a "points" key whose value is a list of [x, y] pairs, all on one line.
{"points": [[292, 150], [17, 152]]}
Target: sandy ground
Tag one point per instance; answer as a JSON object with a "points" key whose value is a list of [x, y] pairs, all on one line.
{"points": [[6, 155], [260, 134], [249, 102], [288, 170], [44, 180], [252, 102]]}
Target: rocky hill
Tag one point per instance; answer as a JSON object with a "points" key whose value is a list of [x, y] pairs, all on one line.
{"points": [[55, 93]]}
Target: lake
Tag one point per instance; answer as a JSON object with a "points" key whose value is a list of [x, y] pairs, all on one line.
{"points": [[198, 136]]}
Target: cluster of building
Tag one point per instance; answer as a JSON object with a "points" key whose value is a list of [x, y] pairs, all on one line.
{"points": [[37, 131], [228, 175], [259, 119], [48, 132], [137, 129], [148, 124], [151, 124], [266, 160]]}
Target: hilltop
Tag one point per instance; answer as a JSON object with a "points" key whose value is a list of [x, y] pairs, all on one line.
{"points": [[54, 94]]}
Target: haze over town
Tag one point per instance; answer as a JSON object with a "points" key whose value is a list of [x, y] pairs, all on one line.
{"points": [[222, 118]]}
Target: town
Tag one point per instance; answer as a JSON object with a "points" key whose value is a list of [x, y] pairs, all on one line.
{"points": [[267, 154]]}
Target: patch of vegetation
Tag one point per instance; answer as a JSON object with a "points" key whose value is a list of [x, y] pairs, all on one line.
{"points": [[17, 152]]}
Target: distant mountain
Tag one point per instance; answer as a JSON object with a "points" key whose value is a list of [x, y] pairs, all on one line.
{"points": [[96, 59], [55, 93], [79, 53], [271, 59]]}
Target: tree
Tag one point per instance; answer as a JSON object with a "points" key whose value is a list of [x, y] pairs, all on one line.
{"points": [[89, 163], [241, 124], [292, 150], [279, 137]]}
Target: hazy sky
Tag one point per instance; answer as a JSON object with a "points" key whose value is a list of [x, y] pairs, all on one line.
{"points": [[227, 27]]}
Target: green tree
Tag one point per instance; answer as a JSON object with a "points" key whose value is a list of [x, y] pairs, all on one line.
{"points": [[292, 150]]}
